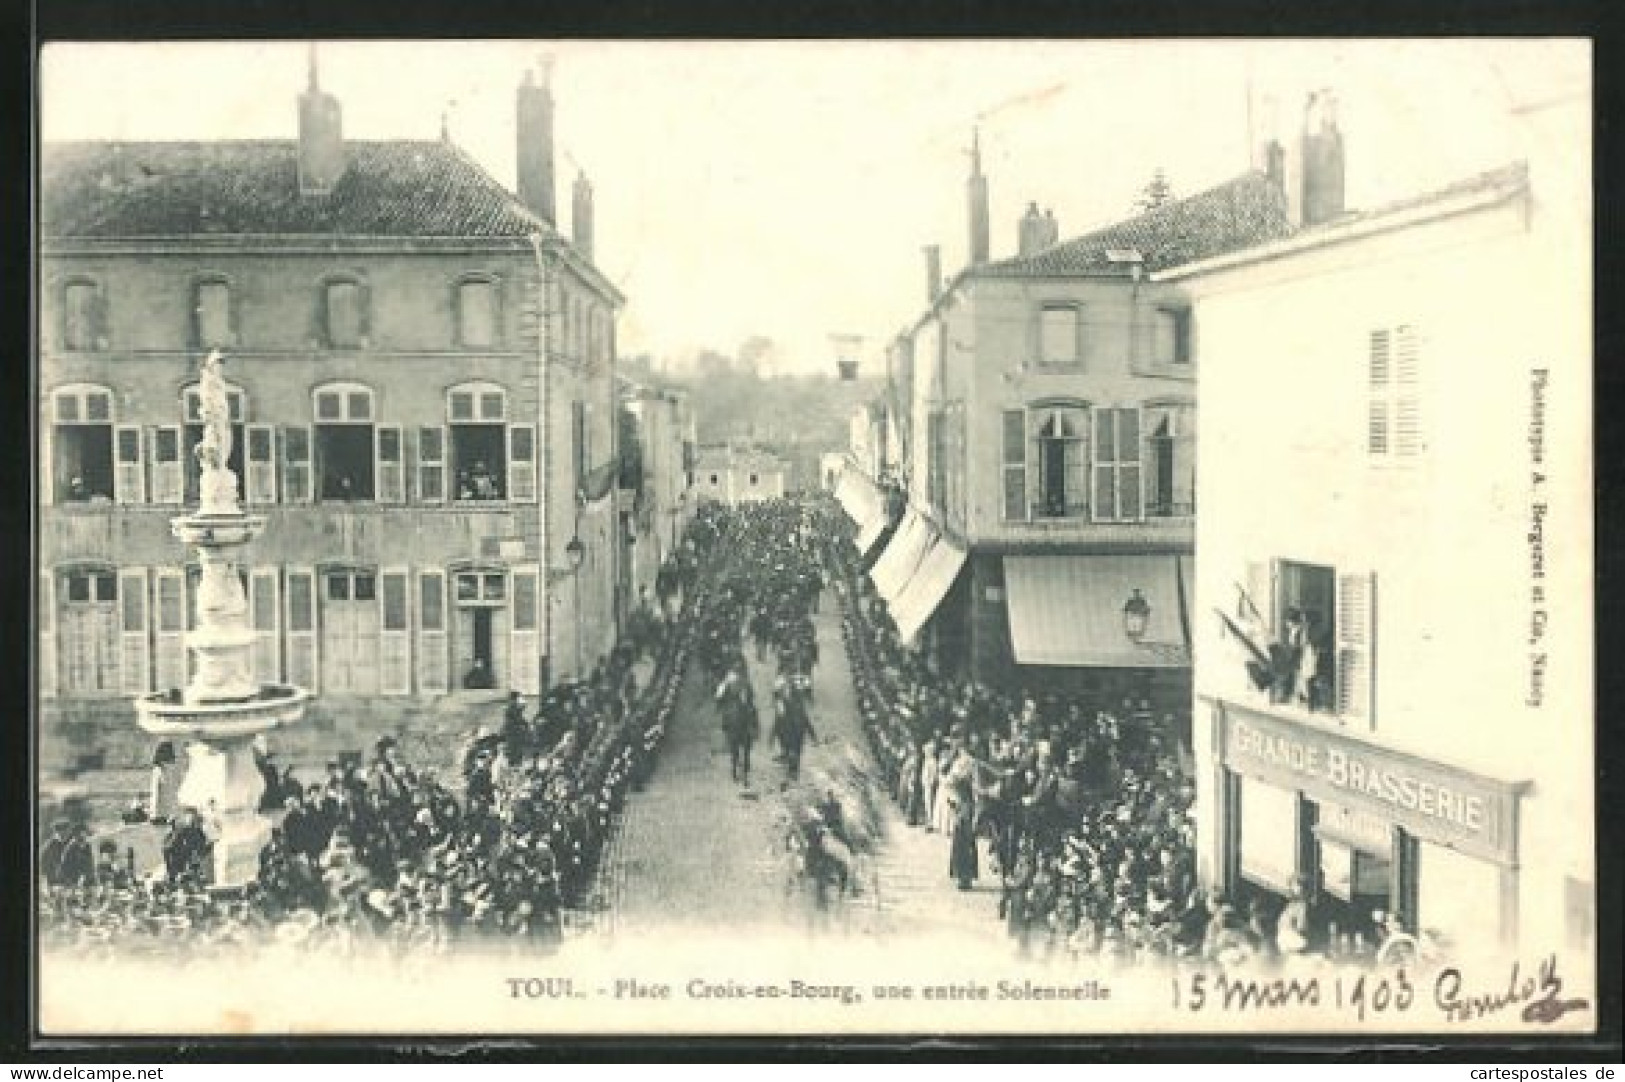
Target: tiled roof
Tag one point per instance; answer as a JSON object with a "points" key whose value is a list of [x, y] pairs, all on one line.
{"points": [[391, 188], [1240, 213]]}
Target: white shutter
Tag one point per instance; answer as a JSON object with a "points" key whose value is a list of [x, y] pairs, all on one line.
{"points": [[134, 656], [1130, 471], [299, 609], [47, 635], [265, 614], [169, 629], [525, 654], [168, 477], [390, 462], [129, 474], [1260, 588], [1379, 392], [1407, 417], [432, 464], [522, 463], [1356, 642], [1103, 458], [432, 611], [296, 464], [259, 459], [395, 638]]}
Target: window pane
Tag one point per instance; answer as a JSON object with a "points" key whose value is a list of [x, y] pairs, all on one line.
{"points": [[98, 406], [78, 588], [264, 601], [524, 440], [394, 602], [389, 444], [166, 445], [106, 588], [1059, 335], [462, 406], [1015, 437], [329, 406], [524, 602], [259, 444], [495, 587], [491, 406], [338, 587], [298, 444], [431, 485], [129, 445], [360, 406], [301, 606], [366, 588], [1106, 435], [1128, 435], [434, 602], [431, 444], [468, 587], [67, 408], [171, 615]]}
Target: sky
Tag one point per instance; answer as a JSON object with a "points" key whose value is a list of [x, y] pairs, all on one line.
{"points": [[787, 189]]}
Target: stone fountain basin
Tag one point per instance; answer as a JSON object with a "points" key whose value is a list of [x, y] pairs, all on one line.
{"points": [[273, 706]]}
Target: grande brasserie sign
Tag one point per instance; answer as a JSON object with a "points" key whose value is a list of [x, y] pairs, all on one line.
{"points": [[1438, 803]]}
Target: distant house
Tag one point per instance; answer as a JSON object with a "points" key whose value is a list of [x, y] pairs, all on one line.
{"points": [[734, 475]]}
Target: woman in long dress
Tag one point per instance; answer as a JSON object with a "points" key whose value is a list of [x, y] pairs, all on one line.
{"points": [[165, 783], [959, 786], [930, 778]]}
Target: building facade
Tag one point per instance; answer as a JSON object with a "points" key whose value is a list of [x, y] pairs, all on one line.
{"points": [[422, 369], [738, 475], [1385, 714], [657, 504]]}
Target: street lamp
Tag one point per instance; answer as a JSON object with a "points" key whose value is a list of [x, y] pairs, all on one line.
{"points": [[1136, 614], [575, 552]]}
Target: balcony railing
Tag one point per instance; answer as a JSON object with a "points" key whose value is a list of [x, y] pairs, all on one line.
{"points": [[1170, 509]]}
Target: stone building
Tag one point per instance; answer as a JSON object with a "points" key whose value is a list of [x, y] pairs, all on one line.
{"points": [[422, 368], [736, 475]]}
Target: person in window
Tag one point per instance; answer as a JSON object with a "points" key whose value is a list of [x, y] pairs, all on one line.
{"points": [[77, 492], [483, 484], [1286, 656], [1306, 689]]}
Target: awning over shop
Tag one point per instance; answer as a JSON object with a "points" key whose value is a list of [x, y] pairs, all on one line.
{"points": [[903, 554], [870, 533], [1068, 610], [861, 499], [929, 585]]}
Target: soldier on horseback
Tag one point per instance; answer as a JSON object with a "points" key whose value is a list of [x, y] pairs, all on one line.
{"points": [[736, 703]]}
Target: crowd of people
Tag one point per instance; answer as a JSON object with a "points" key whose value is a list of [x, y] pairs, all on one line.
{"points": [[1081, 811], [388, 853]]}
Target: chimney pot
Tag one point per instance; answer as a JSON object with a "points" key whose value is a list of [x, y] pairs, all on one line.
{"points": [[933, 272], [321, 137], [581, 216], [535, 148]]}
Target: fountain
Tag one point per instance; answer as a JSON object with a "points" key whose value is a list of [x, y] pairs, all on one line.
{"points": [[224, 707]]}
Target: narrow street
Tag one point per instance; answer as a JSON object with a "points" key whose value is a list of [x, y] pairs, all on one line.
{"points": [[692, 852]]}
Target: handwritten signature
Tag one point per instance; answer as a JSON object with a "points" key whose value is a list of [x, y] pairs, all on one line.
{"points": [[1540, 993]]}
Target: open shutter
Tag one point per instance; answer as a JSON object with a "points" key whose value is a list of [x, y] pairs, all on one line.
{"points": [[300, 620], [296, 474], [432, 464], [526, 652], [169, 633], [1379, 391], [391, 463], [168, 474], [1103, 495], [260, 459], [432, 667], [522, 463], [266, 613], [129, 475], [135, 672], [395, 645], [1407, 418], [1130, 474], [1260, 587], [1015, 465], [1356, 641], [47, 635]]}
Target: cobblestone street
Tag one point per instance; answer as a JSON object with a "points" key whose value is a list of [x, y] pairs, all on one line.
{"points": [[693, 851]]}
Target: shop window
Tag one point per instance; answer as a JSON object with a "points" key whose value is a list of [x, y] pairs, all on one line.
{"points": [[82, 457], [192, 434], [476, 416], [1059, 450], [1060, 334], [346, 445], [477, 312], [89, 632]]}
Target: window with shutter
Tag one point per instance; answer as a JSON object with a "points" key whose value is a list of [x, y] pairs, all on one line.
{"points": [[1015, 465], [432, 666], [431, 464], [1407, 376], [1379, 390], [1356, 641], [391, 464], [265, 614], [1118, 472], [396, 636], [168, 479], [1394, 422], [478, 441], [300, 620], [169, 631], [525, 649], [135, 664], [129, 474], [522, 463], [296, 466], [261, 453]]}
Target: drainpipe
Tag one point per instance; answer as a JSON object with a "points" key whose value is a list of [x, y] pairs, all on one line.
{"points": [[544, 487]]}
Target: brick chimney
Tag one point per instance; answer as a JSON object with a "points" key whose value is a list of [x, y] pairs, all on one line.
{"points": [[1322, 160], [933, 272], [535, 144], [977, 192], [1052, 229], [321, 136], [581, 216]]}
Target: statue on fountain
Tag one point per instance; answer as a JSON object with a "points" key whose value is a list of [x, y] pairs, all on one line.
{"points": [[217, 482]]}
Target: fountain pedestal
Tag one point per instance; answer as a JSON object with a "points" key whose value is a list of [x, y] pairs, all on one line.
{"points": [[224, 707]]}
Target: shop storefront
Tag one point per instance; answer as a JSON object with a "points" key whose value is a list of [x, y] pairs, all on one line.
{"points": [[1365, 829]]}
